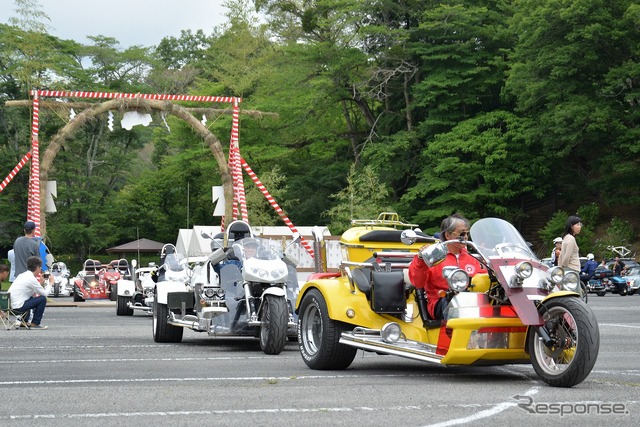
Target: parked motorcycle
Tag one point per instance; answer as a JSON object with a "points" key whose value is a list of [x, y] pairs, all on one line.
{"points": [[244, 291], [61, 274], [600, 282], [136, 293], [618, 285], [521, 311]]}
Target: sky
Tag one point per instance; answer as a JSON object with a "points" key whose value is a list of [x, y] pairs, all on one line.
{"points": [[131, 22]]}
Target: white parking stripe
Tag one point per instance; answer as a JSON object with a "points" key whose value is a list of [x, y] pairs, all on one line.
{"points": [[144, 359], [261, 378], [619, 325], [209, 412], [486, 413]]}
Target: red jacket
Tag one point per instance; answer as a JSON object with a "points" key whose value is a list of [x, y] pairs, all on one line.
{"points": [[431, 279]]}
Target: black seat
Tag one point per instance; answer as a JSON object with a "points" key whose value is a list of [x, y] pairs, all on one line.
{"points": [[362, 279]]}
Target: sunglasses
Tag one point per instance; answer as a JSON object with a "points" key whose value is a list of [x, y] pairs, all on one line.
{"points": [[463, 234]]}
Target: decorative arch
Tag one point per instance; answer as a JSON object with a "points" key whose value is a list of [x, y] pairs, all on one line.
{"points": [[230, 172], [143, 105]]}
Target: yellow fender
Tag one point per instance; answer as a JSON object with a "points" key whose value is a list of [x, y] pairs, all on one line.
{"points": [[341, 297], [561, 294], [340, 300]]}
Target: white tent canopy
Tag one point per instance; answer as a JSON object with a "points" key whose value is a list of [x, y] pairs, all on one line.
{"points": [[198, 245], [182, 243], [191, 243]]}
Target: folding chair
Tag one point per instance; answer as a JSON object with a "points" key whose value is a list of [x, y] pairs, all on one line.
{"points": [[8, 316]]}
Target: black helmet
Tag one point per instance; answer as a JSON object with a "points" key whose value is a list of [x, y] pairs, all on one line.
{"points": [[168, 249], [239, 230]]}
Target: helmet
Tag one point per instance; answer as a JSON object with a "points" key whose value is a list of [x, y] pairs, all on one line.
{"points": [[590, 256], [557, 240], [239, 230]]}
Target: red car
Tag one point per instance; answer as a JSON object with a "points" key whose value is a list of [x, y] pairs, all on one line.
{"points": [[95, 281]]}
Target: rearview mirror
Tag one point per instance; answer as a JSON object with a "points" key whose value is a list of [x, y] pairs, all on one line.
{"points": [[408, 237]]}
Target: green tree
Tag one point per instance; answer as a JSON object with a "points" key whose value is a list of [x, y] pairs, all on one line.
{"points": [[260, 210], [480, 168], [570, 74], [459, 50], [619, 233], [363, 198]]}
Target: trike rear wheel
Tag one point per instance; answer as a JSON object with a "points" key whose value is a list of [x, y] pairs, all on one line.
{"points": [[319, 335]]}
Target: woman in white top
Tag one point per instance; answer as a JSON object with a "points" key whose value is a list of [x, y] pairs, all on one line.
{"points": [[569, 256]]}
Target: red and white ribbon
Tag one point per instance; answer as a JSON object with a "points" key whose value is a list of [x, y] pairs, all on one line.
{"points": [[275, 205], [33, 205], [114, 95], [15, 170]]}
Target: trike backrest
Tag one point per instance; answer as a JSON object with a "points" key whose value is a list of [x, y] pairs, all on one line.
{"points": [[359, 243]]}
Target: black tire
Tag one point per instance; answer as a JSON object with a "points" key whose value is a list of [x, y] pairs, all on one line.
{"points": [[56, 289], [162, 331], [76, 297], [273, 324], [319, 335], [631, 292], [623, 292], [113, 292], [574, 327], [601, 294], [122, 309]]}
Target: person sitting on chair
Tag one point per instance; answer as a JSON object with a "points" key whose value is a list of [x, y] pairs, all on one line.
{"points": [[28, 294]]}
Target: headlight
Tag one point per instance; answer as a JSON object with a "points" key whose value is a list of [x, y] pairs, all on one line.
{"points": [[524, 269], [390, 332], [279, 273], [571, 281], [258, 272], [210, 292], [269, 275], [556, 275], [457, 278]]}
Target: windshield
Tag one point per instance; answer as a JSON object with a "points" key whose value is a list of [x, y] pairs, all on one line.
{"points": [[256, 247], [172, 263], [496, 237], [633, 271]]}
